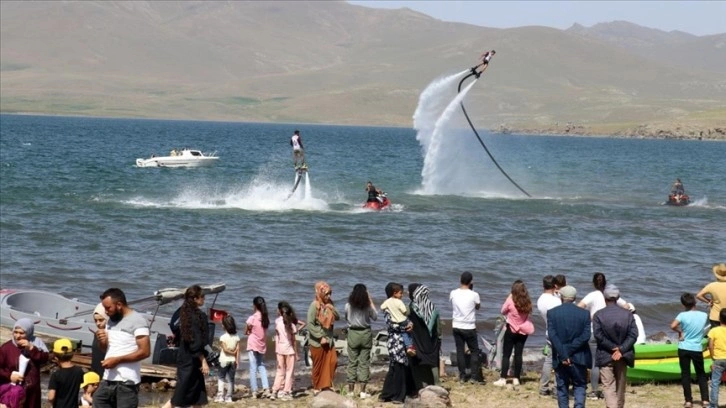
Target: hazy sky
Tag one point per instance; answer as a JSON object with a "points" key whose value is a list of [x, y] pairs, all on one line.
{"points": [[695, 17]]}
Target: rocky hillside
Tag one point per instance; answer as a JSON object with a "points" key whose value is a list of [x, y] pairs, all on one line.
{"points": [[333, 62]]}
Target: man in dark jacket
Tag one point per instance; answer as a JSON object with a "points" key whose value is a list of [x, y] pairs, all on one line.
{"points": [[568, 329], [615, 332]]}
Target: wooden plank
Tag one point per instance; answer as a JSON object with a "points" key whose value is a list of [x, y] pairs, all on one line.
{"points": [[147, 370]]}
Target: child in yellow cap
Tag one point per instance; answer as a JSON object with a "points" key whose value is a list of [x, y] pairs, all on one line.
{"points": [[66, 380], [90, 385]]}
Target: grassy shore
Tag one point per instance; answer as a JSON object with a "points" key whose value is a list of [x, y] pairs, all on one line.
{"points": [[461, 395], [470, 396]]}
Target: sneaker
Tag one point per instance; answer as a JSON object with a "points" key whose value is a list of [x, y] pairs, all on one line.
{"points": [[228, 400], [592, 395], [274, 395], [285, 396], [219, 398], [500, 382], [364, 395], [254, 395], [545, 392], [515, 382]]}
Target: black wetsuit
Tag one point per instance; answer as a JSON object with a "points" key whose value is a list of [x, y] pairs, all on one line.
{"points": [[372, 194]]}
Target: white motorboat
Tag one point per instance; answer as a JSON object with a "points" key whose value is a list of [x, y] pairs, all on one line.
{"points": [[180, 158], [58, 316]]}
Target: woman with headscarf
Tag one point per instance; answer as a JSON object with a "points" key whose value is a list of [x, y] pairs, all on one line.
{"points": [[191, 364], [426, 336], [97, 354], [24, 343], [399, 380], [321, 315]]}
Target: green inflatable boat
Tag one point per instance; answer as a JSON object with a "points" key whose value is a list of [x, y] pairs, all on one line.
{"points": [[659, 363]]}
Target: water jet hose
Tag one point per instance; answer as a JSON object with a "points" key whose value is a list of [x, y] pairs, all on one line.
{"points": [[477, 75]]}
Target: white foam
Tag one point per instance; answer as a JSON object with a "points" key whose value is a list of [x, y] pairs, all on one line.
{"points": [[453, 160]]}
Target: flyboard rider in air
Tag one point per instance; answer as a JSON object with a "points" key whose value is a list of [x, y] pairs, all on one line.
{"points": [[485, 58], [476, 72]]}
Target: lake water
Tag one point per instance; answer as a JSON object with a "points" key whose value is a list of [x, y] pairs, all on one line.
{"points": [[78, 217]]}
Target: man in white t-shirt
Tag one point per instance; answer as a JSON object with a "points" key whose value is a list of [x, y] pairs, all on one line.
{"points": [[547, 300], [126, 342], [465, 302]]}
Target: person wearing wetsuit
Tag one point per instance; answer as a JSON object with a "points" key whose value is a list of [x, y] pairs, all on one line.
{"points": [[298, 151], [677, 188], [372, 192]]}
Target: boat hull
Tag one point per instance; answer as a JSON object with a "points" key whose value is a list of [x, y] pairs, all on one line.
{"points": [[661, 370], [58, 316], [659, 363], [183, 158], [169, 161]]}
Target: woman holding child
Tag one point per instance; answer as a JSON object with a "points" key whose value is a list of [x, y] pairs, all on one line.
{"points": [[399, 379], [321, 315]]}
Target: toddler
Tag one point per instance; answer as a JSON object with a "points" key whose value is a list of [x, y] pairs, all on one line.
{"points": [[89, 386]]}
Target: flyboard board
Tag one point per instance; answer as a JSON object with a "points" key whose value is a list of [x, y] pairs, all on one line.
{"points": [[300, 171]]}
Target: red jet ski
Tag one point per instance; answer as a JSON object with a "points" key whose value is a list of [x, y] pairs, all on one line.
{"points": [[678, 200], [378, 205]]}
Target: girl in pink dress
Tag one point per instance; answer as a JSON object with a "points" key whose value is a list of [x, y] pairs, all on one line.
{"points": [[286, 325]]}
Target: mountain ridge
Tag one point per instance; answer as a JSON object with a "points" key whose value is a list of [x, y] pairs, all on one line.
{"points": [[333, 62]]}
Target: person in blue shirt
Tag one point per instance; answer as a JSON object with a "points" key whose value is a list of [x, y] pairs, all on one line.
{"points": [[690, 326]]}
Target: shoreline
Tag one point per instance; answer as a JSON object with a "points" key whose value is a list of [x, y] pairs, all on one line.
{"points": [[655, 131]]}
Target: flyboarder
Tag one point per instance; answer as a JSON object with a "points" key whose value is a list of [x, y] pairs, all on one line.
{"points": [[485, 58], [298, 151]]}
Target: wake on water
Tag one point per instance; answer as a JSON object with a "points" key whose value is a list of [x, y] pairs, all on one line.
{"points": [[259, 195], [453, 161]]}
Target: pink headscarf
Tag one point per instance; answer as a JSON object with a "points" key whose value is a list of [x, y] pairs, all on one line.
{"points": [[324, 305]]}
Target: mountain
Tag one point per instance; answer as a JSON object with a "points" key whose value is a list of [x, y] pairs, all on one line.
{"points": [[676, 47], [333, 62]]}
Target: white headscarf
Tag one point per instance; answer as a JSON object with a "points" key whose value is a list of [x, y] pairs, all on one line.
{"points": [[28, 327]]}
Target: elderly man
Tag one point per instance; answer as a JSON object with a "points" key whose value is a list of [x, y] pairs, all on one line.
{"points": [[568, 329], [615, 333]]}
